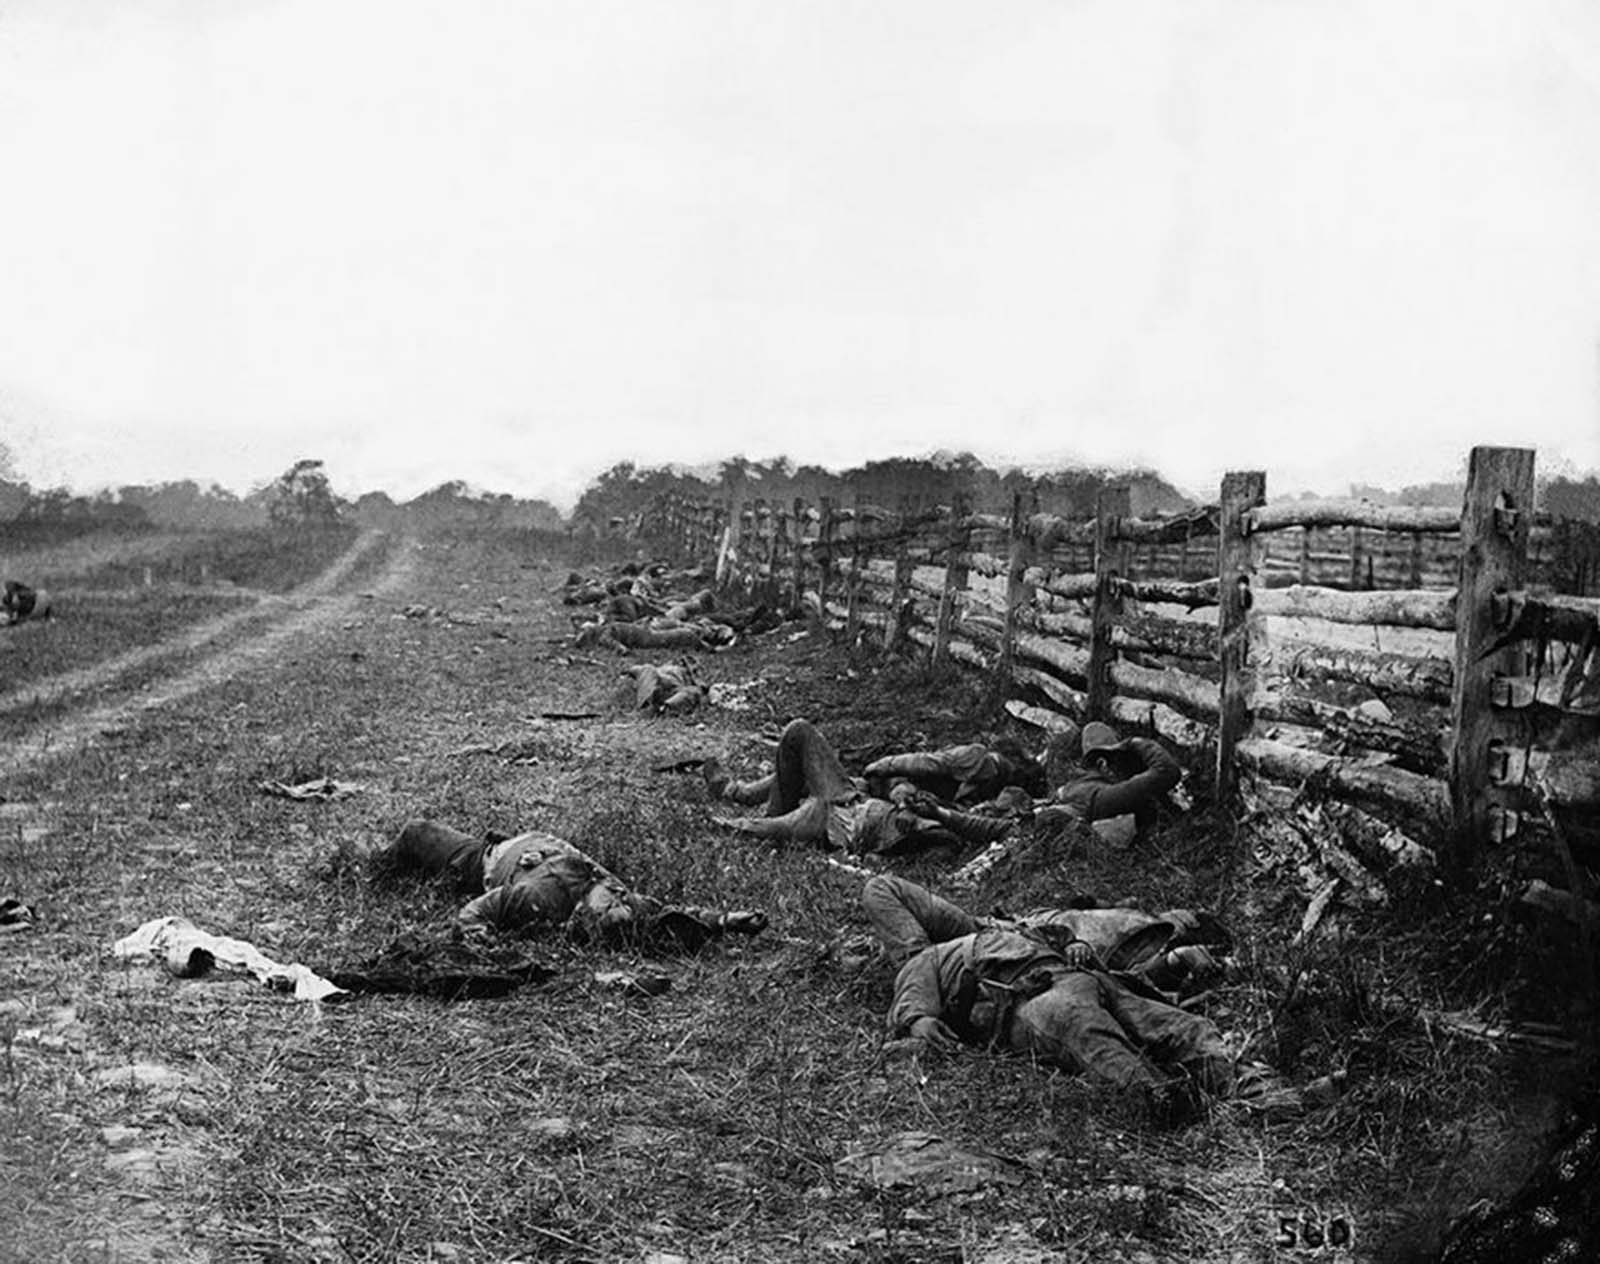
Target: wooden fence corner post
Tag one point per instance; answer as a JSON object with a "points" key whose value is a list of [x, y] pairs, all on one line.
{"points": [[1242, 491], [1495, 516], [1112, 506]]}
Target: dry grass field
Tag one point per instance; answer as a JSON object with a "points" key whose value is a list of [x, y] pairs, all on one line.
{"points": [[146, 1117]]}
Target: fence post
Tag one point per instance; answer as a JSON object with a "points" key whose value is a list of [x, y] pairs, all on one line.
{"points": [[1019, 592], [902, 575], [1357, 553], [852, 618], [1109, 552], [773, 528], [955, 576], [729, 544], [825, 534], [1242, 490], [798, 558], [1495, 516], [718, 515]]}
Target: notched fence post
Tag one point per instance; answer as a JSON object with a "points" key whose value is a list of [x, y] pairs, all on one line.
{"points": [[1242, 490], [1495, 515]]}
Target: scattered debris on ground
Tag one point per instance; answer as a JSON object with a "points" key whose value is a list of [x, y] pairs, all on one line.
{"points": [[319, 789]]}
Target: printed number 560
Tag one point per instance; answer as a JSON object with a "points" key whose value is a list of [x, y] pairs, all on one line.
{"points": [[1309, 1233]]}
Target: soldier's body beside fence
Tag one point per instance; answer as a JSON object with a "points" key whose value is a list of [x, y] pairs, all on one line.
{"points": [[1115, 786], [1116, 778], [536, 881], [809, 798], [969, 773], [1011, 987]]}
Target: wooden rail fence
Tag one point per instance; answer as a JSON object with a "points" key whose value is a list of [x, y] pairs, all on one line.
{"points": [[1417, 663]]}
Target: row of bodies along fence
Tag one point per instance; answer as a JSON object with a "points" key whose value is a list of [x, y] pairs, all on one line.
{"points": [[1255, 637]]}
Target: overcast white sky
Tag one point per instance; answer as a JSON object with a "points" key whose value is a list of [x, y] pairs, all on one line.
{"points": [[517, 242]]}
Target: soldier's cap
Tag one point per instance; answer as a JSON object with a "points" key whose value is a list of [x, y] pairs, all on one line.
{"points": [[1099, 737]]}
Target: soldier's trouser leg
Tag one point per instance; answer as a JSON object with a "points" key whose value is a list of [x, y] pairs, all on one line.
{"points": [[911, 764], [427, 847], [907, 917], [973, 827], [1172, 1036], [807, 767], [749, 793], [641, 636], [807, 823], [1071, 1026]]}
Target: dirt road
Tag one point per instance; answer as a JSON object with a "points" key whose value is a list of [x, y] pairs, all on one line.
{"points": [[223, 646]]}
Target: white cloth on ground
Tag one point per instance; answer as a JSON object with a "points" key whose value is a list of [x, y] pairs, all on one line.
{"points": [[175, 940]]}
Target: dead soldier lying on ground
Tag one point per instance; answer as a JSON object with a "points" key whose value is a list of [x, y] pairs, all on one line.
{"points": [[1177, 951], [536, 881], [810, 798], [968, 773], [22, 602], [669, 688], [1116, 786], [1041, 990], [633, 579], [705, 630], [653, 634], [1116, 778]]}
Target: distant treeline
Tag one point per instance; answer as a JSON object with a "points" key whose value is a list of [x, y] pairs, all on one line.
{"points": [[299, 497], [623, 491], [1567, 498]]}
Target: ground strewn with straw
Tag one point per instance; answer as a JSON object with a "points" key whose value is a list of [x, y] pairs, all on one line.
{"points": [[569, 1121]]}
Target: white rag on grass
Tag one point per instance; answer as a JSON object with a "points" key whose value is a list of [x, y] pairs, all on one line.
{"points": [[186, 951]]}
